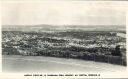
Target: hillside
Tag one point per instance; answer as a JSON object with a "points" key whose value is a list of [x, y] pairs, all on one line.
{"points": [[57, 28]]}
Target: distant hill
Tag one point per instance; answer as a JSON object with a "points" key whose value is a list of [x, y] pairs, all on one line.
{"points": [[57, 28]]}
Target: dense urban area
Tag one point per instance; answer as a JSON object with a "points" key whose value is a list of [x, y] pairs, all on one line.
{"points": [[103, 46]]}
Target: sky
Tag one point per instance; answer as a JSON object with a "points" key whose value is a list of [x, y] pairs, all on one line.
{"points": [[63, 13]]}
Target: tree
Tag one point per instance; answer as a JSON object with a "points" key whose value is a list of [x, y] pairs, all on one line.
{"points": [[117, 51]]}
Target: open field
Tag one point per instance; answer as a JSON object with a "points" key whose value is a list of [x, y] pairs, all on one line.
{"points": [[17, 63]]}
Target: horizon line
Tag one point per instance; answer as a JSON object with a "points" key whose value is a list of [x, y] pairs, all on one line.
{"points": [[62, 24]]}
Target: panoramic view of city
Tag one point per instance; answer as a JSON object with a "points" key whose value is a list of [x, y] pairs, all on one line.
{"points": [[67, 37], [97, 45]]}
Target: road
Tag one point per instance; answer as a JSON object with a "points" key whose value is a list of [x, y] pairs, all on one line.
{"points": [[16, 63]]}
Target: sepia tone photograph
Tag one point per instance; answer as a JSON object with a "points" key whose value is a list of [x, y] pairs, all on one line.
{"points": [[63, 37]]}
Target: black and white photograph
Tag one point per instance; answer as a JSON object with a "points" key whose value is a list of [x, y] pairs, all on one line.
{"points": [[63, 37]]}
